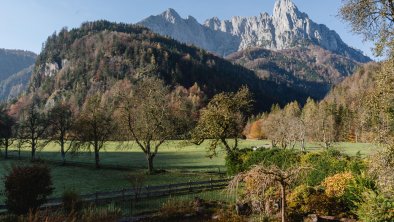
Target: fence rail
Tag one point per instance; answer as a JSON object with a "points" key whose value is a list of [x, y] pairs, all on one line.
{"points": [[145, 192]]}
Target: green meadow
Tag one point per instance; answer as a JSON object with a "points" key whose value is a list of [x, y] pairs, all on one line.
{"points": [[178, 160]]}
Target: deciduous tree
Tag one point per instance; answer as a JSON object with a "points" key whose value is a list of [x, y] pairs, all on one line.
{"points": [[93, 127], [222, 120], [32, 127], [151, 117], [374, 19], [60, 122], [7, 131]]}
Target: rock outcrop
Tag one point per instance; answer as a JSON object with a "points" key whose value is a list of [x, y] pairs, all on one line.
{"points": [[169, 23]]}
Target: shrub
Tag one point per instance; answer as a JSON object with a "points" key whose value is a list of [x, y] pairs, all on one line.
{"points": [[375, 208], [354, 192], [324, 164], [278, 157], [357, 165], [235, 161], [27, 188], [245, 159], [336, 185], [72, 201], [304, 200]]}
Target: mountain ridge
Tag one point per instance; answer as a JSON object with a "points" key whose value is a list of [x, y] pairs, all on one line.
{"points": [[15, 70], [286, 28], [99, 56]]}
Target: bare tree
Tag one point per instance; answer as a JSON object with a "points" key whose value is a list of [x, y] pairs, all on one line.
{"points": [[325, 124], [285, 127], [273, 126], [7, 131], [150, 117], [61, 120], [93, 127], [33, 125]]}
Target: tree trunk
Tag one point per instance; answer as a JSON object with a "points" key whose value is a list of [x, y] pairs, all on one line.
{"points": [[97, 157], [283, 204], [150, 163], [62, 152], [226, 146], [6, 148], [33, 151]]}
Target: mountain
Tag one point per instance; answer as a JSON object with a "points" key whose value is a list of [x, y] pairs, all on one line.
{"points": [[15, 71], [353, 91], [13, 61], [15, 85], [189, 31], [312, 70], [99, 56], [287, 47], [287, 28]]}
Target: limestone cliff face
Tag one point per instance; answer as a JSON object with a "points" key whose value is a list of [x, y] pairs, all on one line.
{"points": [[189, 31], [287, 28]]}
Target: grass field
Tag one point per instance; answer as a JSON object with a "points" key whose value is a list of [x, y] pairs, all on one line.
{"points": [[183, 162], [174, 154]]}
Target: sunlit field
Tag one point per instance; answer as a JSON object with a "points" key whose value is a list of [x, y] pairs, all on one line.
{"points": [[180, 161], [179, 155]]}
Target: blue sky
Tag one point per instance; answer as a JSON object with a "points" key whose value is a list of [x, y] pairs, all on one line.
{"points": [[25, 24]]}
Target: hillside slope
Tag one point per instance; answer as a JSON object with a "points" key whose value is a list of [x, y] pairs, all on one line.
{"points": [[15, 71], [15, 85], [99, 54], [312, 70]]}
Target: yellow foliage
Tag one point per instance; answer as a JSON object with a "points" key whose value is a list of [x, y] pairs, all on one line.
{"points": [[335, 186], [255, 130]]}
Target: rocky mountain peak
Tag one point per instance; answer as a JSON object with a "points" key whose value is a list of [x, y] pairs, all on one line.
{"points": [[171, 15], [284, 6], [287, 28]]}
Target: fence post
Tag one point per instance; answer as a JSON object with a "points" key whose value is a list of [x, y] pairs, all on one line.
{"points": [[148, 192], [190, 186], [210, 183]]}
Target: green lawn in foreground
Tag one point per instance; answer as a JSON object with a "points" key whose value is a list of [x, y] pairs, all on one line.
{"points": [[183, 162]]}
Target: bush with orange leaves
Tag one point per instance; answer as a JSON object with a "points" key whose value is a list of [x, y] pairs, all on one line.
{"points": [[335, 186]]}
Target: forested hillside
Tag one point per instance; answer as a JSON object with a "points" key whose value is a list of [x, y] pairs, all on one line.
{"points": [[310, 69], [94, 57], [359, 109]]}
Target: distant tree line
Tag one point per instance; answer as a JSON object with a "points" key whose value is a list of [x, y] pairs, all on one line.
{"points": [[357, 110]]}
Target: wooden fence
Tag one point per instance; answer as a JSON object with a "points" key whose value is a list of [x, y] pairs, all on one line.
{"points": [[145, 192]]}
